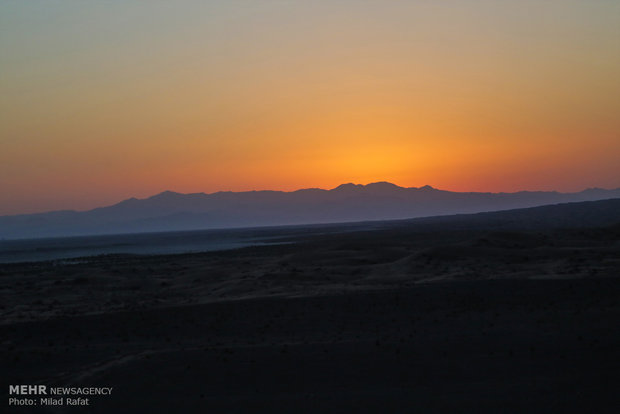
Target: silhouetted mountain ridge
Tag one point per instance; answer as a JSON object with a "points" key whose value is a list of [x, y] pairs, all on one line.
{"points": [[349, 202]]}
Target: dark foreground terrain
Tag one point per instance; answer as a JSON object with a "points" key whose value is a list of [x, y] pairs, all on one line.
{"points": [[513, 312]]}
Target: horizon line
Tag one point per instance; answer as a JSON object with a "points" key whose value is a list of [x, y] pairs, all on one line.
{"points": [[427, 187]]}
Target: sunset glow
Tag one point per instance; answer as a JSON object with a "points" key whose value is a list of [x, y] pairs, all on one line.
{"points": [[101, 101]]}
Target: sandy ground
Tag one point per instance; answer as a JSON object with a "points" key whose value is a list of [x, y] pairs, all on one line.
{"points": [[394, 320]]}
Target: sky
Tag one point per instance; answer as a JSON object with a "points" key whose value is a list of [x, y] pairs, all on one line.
{"points": [[105, 100]]}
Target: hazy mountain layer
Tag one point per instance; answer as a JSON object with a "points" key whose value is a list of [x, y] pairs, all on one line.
{"points": [[169, 211]]}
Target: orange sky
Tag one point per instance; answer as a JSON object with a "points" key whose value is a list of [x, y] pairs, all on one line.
{"points": [[105, 101]]}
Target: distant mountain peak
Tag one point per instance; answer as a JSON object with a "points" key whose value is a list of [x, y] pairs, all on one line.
{"points": [[380, 185], [165, 194], [348, 186], [383, 184]]}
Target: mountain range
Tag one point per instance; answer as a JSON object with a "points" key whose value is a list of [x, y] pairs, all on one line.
{"points": [[171, 211]]}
